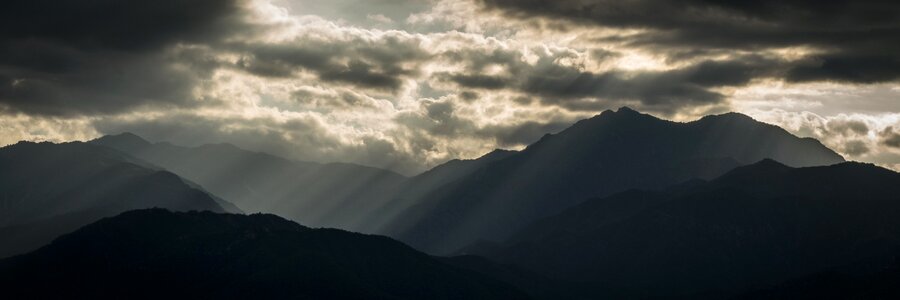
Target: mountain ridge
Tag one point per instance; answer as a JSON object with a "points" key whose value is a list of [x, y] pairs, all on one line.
{"points": [[756, 225], [323, 194], [49, 189], [608, 153]]}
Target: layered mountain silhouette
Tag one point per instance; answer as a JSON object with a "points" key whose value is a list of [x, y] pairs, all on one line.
{"points": [[623, 205], [153, 254], [49, 189], [326, 195], [612, 152], [462, 201], [754, 227]]}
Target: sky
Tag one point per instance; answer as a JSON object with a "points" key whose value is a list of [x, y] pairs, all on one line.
{"points": [[409, 84]]}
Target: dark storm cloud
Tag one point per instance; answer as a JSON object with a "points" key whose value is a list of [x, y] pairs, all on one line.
{"points": [[379, 64], [667, 90], [847, 127], [849, 68], [85, 57], [115, 24], [855, 148], [859, 41], [478, 81], [567, 85], [890, 137], [440, 119], [102, 83], [437, 119]]}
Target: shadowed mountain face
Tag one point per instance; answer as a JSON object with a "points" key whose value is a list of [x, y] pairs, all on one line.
{"points": [[326, 195], [417, 188], [862, 280], [49, 189], [155, 254], [609, 153], [752, 227]]}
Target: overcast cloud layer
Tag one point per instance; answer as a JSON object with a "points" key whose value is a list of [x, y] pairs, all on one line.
{"points": [[407, 84]]}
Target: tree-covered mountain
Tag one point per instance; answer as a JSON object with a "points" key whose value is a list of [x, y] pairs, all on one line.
{"points": [[609, 153], [154, 253], [327, 195], [756, 226], [49, 189]]}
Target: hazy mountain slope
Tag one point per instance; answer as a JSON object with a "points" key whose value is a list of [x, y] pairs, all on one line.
{"points": [[159, 254], [327, 195], [754, 226], [415, 188], [609, 153], [48, 189]]}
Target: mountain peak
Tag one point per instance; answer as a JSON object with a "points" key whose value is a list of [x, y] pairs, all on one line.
{"points": [[730, 116], [626, 109], [128, 136], [761, 169], [769, 164], [623, 113], [127, 141], [497, 154], [763, 166]]}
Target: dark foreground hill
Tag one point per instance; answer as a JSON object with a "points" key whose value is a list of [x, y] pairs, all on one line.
{"points": [[871, 280], [156, 254], [609, 153], [753, 227], [49, 189]]}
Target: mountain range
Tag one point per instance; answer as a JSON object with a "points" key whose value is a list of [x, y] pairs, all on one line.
{"points": [[623, 205], [609, 153], [462, 201], [50, 189], [327, 195], [753, 227]]}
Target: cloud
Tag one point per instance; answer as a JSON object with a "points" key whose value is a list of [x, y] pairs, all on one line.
{"points": [[890, 137], [855, 148], [561, 77], [364, 13], [318, 98], [848, 68], [110, 24], [21, 127], [515, 135], [852, 41], [863, 137], [99, 57], [844, 126], [470, 129], [306, 136], [335, 81], [379, 63], [96, 83]]}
